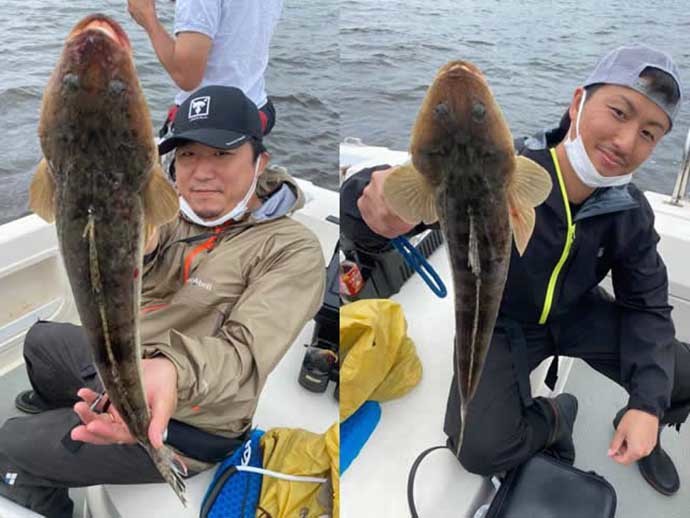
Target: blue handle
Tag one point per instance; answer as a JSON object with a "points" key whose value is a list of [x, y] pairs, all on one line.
{"points": [[418, 263]]}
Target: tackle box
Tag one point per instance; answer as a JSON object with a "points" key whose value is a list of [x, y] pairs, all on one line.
{"points": [[385, 272]]}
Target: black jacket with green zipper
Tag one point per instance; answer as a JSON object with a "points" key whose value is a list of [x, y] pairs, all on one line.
{"points": [[572, 250]]}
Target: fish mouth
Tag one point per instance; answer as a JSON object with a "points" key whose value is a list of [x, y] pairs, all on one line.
{"points": [[459, 69], [103, 24]]}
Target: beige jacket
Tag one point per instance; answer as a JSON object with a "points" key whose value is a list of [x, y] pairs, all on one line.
{"points": [[225, 304]]}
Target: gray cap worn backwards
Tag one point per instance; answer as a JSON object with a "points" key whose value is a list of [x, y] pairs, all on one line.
{"points": [[623, 67]]}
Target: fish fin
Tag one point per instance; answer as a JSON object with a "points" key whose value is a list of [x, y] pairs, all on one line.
{"points": [[161, 203], [531, 182], [531, 185], [410, 195], [42, 192], [171, 467], [522, 222]]}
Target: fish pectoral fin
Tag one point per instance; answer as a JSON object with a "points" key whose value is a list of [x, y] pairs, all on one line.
{"points": [[521, 221], [531, 182], [161, 203], [410, 195], [42, 192], [531, 185]]}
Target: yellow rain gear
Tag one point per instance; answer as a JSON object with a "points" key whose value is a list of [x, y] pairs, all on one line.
{"points": [[378, 361]]}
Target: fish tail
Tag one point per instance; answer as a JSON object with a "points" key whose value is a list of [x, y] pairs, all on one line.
{"points": [[171, 468]]}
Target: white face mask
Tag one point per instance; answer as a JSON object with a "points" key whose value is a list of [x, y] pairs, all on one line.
{"points": [[583, 166], [236, 213]]}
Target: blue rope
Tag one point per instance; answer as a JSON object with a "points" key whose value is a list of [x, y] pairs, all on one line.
{"points": [[418, 263]]}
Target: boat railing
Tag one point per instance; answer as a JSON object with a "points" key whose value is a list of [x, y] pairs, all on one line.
{"points": [[681, 187]]}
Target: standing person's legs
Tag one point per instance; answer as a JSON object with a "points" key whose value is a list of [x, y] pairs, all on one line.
{"points": [[505, 426], [38, 464], [267, 113], [58, 363]]}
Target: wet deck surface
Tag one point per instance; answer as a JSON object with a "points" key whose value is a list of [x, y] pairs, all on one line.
{"points": [[599, 400]]}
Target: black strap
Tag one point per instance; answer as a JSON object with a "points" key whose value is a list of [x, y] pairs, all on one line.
{"points": [[411, 476], [518, 348], [552, 374], [70, 444], [199, 444]]}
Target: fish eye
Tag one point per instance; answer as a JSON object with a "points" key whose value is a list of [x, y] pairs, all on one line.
{"points": [[116, 86], [71, 81], [441, 110], [478, 111]]}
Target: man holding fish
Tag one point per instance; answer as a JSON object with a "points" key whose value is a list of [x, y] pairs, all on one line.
{"points": [[592, 222], [200, 308]]}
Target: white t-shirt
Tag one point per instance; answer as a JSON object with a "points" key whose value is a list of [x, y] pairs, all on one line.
{"points": [[241, 31]]}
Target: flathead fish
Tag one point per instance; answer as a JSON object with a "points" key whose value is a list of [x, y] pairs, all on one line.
{"points": [[464, 173], [101, 182]]}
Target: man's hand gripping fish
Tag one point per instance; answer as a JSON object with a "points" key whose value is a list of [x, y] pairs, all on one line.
{"points": [[101, 182], [465, 174]]}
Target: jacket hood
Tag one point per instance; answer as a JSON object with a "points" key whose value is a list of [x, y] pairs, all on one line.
{"points": [[279, 193]]}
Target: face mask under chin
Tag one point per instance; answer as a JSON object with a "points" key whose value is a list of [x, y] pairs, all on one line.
{"points": [[581, 163], [236, 213]]}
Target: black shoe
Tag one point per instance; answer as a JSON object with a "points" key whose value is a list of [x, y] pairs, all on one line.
{"points": [[30, 402], [562, 411], [657, 468]]}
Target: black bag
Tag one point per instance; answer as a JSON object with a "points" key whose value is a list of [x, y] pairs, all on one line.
{"points": [[542, 487]]}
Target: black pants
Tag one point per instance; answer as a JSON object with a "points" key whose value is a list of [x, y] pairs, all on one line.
{"points": [[504, 428], [37, 448]]}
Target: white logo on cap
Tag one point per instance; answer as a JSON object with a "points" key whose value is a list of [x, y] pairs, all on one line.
{"points": [[238, 139], [199, 107]]}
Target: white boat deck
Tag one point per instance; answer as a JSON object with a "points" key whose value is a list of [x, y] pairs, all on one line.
{"points": [[376, 482], [41, 292]]}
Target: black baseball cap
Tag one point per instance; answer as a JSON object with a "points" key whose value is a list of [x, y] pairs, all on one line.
{"points": [[218, 116]]}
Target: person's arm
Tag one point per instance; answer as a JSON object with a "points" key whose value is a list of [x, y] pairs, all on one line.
{"points": [[376, 213], [640, 284], [283, 292], [183, 57], [365, 219]]}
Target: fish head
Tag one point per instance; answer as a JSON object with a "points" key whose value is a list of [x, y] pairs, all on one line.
{"points": [[459, 112], [96, 59], [94, 90]]}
